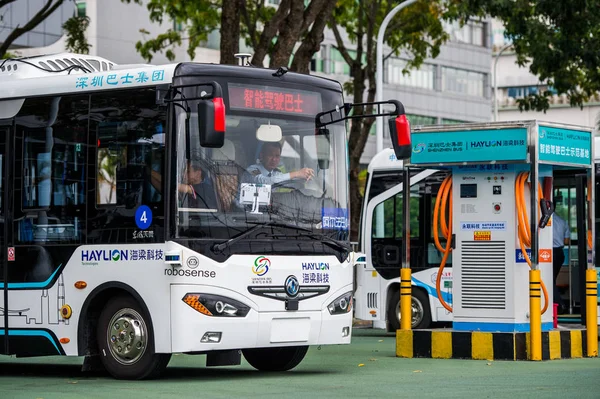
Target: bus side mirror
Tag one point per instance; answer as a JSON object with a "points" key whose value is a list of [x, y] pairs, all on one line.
{"points": [[211, 122], [323, 145], [400, 135]]}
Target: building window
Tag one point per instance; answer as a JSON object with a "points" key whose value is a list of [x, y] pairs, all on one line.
{"points": [[416, 120], [463, 81], [446, 121], [471, 33], [520, 92], [317, 62], [424, 77], [339, 66]]}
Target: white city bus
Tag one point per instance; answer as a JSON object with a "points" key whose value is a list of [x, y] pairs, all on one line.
{"points": [[132, 228], [377, 270], [377, 296]]}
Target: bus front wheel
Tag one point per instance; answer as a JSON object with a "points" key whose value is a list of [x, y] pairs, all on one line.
{"points": [[126, 341], [275, 359], [421, 315]]}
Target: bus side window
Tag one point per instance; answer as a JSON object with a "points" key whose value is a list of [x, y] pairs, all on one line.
{"points": [[52, 141], [127, 166], [130, 132]]}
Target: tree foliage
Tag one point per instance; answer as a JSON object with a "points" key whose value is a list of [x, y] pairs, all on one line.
{"points": [[416, 30], [559, 40], [195, 18], [75, 28], [268, 31]]}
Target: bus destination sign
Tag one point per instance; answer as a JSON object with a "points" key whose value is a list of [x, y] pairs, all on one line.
{"points": [[273, 99]]}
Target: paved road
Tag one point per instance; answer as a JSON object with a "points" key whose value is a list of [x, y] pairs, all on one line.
{"points": [[333, 372]]}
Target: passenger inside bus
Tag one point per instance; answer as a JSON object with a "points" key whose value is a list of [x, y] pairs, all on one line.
{"points": [[195, 191]]}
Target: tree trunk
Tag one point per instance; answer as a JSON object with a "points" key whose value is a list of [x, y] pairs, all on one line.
{"points": [[269, 32], [356, 144], [312, 42], [289, 33], [230, 31]]}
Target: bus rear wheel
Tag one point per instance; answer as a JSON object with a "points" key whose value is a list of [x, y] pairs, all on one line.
{"points": [[275, 359], [126, 341], [421, 315]]}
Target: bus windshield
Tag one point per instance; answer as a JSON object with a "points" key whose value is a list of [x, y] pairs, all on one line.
{"points": [[274, 167]]}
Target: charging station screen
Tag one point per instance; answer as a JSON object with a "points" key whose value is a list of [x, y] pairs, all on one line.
{"points": [[468, 191]]}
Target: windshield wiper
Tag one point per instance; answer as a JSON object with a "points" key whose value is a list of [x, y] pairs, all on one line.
{"points": [[326, 240], [220, 247], [302, 232]]}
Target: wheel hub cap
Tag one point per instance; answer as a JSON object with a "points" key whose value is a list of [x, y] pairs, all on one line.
{"points": [[126, 336], [417, 311]]}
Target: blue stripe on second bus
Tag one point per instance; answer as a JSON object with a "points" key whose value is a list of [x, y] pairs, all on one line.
{"points": [[39, 284], [431, 291]]}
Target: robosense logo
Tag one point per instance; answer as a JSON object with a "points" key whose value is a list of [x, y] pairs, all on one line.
{"points": [[419, 148]]}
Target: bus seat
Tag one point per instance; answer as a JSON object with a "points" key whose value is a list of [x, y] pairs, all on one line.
{"points": [[225, 171]]}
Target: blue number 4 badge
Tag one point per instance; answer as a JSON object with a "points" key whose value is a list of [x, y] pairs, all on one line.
{"points": [[143, 217]]}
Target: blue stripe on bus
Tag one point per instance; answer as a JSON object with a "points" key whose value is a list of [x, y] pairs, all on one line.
{"points": [[32, 333], [431, 291], [40, 284]]}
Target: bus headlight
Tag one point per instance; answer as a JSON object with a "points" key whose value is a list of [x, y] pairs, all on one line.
{"points": [[341, 305], [216, 305]]}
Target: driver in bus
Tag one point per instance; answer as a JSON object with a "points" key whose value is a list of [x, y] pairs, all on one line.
{"points": [[267, 171]]}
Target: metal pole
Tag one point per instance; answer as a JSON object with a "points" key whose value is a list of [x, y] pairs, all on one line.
{"points": [[591, 283], [535, 311], [405, 273], [495, 84], [379, 76]]}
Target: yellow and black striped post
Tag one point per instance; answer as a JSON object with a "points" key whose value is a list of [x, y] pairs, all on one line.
{"points": [[591, 312], [405, 299], [535, 315]]}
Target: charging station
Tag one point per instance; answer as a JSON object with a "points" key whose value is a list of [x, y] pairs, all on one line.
{"points": [[493, 215], [491, 277]]}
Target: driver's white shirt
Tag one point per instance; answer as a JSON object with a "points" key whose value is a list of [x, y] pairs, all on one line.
{"points": [[261, 175]]}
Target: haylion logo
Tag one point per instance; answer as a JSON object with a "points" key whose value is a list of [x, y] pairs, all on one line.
{"points": [[315, 266], [419, 148], [97, 255], [488, 143], [261, 266]]}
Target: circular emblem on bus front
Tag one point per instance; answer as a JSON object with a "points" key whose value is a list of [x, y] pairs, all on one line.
{"points": [[292, 286]]}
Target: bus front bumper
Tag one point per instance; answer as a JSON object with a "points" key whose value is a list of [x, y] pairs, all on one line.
{"points": [[192, 331]]}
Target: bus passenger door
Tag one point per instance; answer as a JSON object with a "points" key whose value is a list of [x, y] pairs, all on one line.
{"points": [[3, 250]]}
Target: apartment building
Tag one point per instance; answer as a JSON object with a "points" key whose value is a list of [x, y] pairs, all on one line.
{"points": [[516, 82]]}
